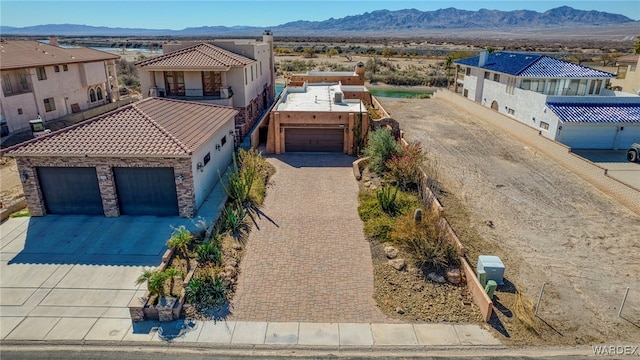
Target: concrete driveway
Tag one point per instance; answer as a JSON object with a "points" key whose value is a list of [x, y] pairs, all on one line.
{"points": [[70, 272], [615, 161]]}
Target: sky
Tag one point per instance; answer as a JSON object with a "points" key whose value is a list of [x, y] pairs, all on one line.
{"points": [[177, 15]]}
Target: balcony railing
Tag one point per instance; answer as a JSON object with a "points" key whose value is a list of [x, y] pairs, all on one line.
{"points": [[192, 94]]}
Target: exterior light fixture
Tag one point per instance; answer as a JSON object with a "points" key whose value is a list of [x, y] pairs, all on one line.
{"points": [[103, 177], [24, 176], [180, 178], [200, 166], [218, 147]]}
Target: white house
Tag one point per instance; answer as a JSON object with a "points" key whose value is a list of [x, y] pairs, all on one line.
{"points": [[567, 102], [49, 81]]}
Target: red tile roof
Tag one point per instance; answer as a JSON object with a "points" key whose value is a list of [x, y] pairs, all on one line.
{"points": [[20, 54], [152, 127], [201, 56]]}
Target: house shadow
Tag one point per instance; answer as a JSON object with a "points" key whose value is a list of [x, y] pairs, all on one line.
{"points": [[314, 159], [91, 240]]}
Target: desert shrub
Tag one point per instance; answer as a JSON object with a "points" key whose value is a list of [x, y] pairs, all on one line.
{"points": [[253, 165], [404, 168], [379, 228], [232, 218], [429, 254], [206, 291], [209, 252], [380, 148], [239, 182], [369, 207], [386, 197], [180, 239]]}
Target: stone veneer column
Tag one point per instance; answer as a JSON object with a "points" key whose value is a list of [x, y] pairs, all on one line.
{"points": [[107, 185], [30, 187], [185, 188]]}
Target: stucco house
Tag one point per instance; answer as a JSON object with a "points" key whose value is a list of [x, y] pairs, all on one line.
{"points": [[628, 79], [229, 72], [566, 102], [319, 112], [155, 157], [49, 81]]}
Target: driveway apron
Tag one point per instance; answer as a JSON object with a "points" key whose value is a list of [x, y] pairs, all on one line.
{"points": [[307, 260]]}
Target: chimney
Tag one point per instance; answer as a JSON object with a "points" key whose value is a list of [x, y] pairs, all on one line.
{"points": [[484, 54], [360, 70], [53, 41]]}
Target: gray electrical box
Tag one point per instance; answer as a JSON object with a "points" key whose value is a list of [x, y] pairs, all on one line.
{"points": [[493, 267]]}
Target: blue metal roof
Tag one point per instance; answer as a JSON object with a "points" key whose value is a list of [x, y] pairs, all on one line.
{"points": [[533, 65], [596, 113]]}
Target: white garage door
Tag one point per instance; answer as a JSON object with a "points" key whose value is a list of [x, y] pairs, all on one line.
{"points": [[628, 136], [585, 136]]}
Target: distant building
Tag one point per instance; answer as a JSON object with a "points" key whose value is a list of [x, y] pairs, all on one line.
{"points": [[566, 102], [319, 112], [49, 81], [628, 79], [236, 73]]}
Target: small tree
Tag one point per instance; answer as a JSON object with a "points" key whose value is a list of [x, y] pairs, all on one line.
{"points": [[172, 273], [155, 281], [447, 64], [180, 239], [331, 52]]}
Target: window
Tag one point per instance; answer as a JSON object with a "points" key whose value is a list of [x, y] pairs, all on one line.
{"points": [[207, 158], [511, 111], [42, 73], [486, 74], [99, 93], [496, 77], [6, 84], [223, 140], [544, 125], [211, 83], [174, 81], [24, 83], [19, 111], [251, 73], [65, 67], [594, 88], [49, 104], [465, 93], [56, 68], [525, 85], [467, 71], [582, 87], [246, 79], [260, 68], [92, 95]]}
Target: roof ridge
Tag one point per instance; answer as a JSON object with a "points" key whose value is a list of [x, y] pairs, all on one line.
{"points": [[160, 127], [167, 55], [530, 64]]}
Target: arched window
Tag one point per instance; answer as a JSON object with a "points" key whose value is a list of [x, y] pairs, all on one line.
{"points": [[92, 95], [99, 93]]}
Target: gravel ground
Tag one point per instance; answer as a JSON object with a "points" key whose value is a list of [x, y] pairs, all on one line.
{"points": [[550, 226]]}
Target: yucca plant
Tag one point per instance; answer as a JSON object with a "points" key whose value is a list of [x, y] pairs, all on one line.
{"points": [[209, 252], [387, 199], [239, 182], [233, 218]]}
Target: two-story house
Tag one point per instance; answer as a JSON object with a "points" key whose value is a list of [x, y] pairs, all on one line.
{"points": [[566, 102], [229, 72], [47, 81], [628, 79]]}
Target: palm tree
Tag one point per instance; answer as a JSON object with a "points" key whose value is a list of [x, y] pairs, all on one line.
{"points": [[172, 273], [146, 276], [180, 239], [155, 281]]}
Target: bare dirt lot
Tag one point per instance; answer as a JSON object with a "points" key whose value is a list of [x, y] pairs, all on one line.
{"points": [[550, 226]]}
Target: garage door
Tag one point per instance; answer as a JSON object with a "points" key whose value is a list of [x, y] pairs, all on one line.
{"points": [[70, 190], [325, 140], [588, 136], [146, 191]]}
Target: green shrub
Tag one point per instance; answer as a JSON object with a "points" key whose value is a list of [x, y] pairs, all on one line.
{"points": [[379, 228], [369, 207], [232, 218], [239, 182], [206, 291], [209, 253], [155, 281], [380, 148], [404, 168], [387, 199], [180, 240]]}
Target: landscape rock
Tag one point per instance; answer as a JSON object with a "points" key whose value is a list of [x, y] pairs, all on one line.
{"points": [[400, 310], [417, 216], [391, 252], [454, 276], [398, 264], [436, 278], [237, 246], [367, 183], [232, 262]]}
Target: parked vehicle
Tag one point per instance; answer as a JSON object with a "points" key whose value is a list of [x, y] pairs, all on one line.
{"points": [[633, 154]]}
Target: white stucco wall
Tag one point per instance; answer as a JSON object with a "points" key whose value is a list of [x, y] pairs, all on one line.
{"points": [[65, 87], [205, 180]]}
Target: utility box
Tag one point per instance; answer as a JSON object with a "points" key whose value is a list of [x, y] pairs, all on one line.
{"points": [[493, 268]]}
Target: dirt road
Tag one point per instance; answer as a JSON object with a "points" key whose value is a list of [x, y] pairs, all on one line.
{"points": [[550, 225]]}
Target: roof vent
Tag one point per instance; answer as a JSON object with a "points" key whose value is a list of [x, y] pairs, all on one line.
{"points": [[338, 97]]}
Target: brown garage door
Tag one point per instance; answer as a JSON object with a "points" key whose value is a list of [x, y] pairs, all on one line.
{"points": [[320, 140]]}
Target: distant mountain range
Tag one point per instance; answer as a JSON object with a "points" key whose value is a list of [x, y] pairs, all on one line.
{"points": [[379, 22]]}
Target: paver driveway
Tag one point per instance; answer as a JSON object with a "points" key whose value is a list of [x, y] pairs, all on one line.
{"points": [[308, 259]]}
